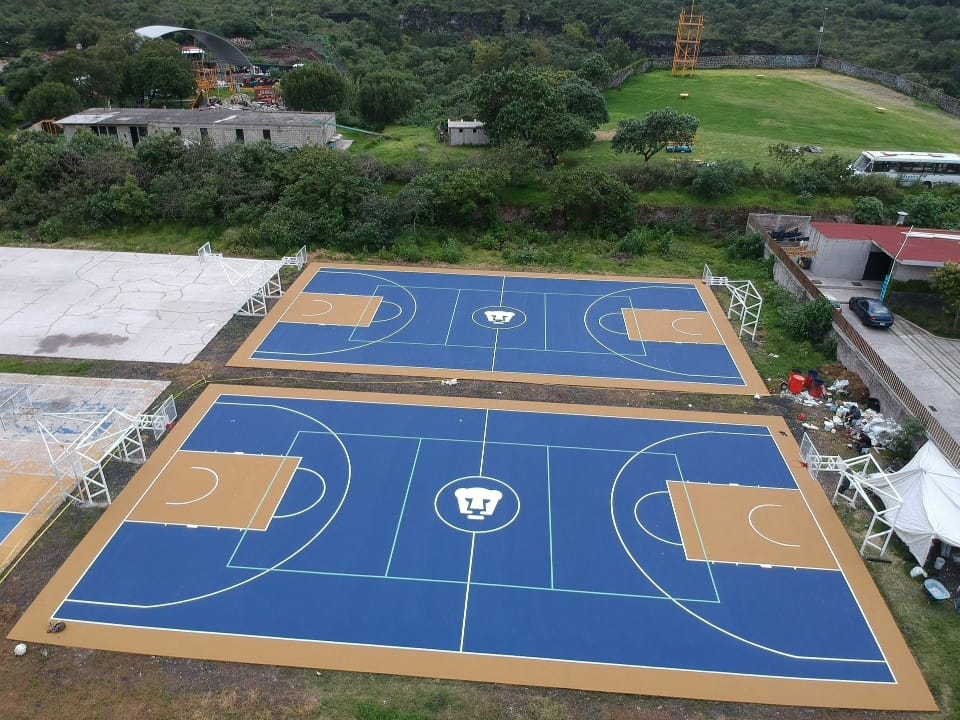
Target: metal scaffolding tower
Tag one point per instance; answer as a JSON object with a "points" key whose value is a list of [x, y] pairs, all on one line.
{"points": [[686, 52]]}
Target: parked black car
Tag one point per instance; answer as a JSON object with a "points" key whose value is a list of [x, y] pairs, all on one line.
{"points": [[871, 312]]}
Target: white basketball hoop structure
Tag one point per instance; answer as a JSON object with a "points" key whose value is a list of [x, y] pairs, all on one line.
{"points": [[477, 503], [499, 317], [254, 285], [745, 301], [81, 444], [859, 479]]}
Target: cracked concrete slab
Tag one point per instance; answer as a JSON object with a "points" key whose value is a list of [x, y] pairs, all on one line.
{"points": [[112, 305]]}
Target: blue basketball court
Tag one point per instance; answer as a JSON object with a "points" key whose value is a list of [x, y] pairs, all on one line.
{"points": [[588, 547], [616, 332]]}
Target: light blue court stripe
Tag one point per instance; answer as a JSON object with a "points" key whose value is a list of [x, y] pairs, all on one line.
{"points": [[438, 581], [550, 520], [599, 281], [453, 316], [403, 507]]}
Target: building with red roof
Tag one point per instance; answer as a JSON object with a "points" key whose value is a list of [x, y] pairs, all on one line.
{"points": [[870, 252]]}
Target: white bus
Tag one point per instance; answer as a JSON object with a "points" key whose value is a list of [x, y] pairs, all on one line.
{"points": [[910, 168]]}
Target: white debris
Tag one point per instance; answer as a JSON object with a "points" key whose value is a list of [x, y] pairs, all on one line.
{"points": [[20, 649], [450, 381]]}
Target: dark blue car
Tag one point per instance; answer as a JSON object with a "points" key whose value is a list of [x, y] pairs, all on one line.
{"points": [[871, 312]]}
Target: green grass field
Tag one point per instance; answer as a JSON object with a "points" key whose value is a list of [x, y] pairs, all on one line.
{"points": [[741, 114]]}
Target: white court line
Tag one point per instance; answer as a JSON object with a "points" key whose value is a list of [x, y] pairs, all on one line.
{"points": [[496, 333], [483, 442], [453, 317], [673, 324], [705, 621], [258, 575], [208, 493], [466, 595], [550, 518], [754, 527], [636, 516], [321, 314], [572, 663], [833, 554], [311, 506]]}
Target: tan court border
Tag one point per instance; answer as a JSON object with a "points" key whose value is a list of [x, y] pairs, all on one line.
{"points": [[910, 692], [754, 384]]}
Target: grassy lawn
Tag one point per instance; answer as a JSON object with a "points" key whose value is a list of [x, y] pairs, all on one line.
{"points": [[160, 239], [743, 112]]}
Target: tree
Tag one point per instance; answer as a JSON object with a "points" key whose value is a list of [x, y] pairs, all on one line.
{"points": [[159, 71], [527, 104], [315, 88], [23, 74], [50, 100], [159, 152], [385, 96], [617, 53], [592, 199], [946, 281], [584, 100], [658, 129], [596, 70]]}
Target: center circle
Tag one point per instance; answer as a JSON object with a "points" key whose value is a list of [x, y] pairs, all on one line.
{"points": [[499, 317], [477, 504]]}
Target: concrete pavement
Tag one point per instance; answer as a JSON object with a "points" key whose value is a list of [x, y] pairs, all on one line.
{"points": [[928, 365]]}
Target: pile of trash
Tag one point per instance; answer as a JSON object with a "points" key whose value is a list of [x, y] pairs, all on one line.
{"points": [[846, 416]]}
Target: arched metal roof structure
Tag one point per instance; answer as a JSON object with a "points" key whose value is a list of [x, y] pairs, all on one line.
{"points": [[221, 47]]}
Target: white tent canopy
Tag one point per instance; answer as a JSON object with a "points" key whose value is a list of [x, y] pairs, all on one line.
{"points": [[930, 488]]}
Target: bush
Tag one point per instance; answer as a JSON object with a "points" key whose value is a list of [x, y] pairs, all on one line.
{"points": [[50, 230], [745, 247], [667, 246], [868, 210], [451, 251], [904, 444], [636, 242], [407, 250], [718, 179], [809, 321]]}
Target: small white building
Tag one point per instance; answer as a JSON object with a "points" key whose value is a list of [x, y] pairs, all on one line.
{"points": [[466, 132], [221, 125]]}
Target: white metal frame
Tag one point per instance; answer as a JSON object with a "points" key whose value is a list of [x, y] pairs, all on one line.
{"points": [[745, 301], [862, 479], [256, 284], [78, 457], [162, 420]]}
